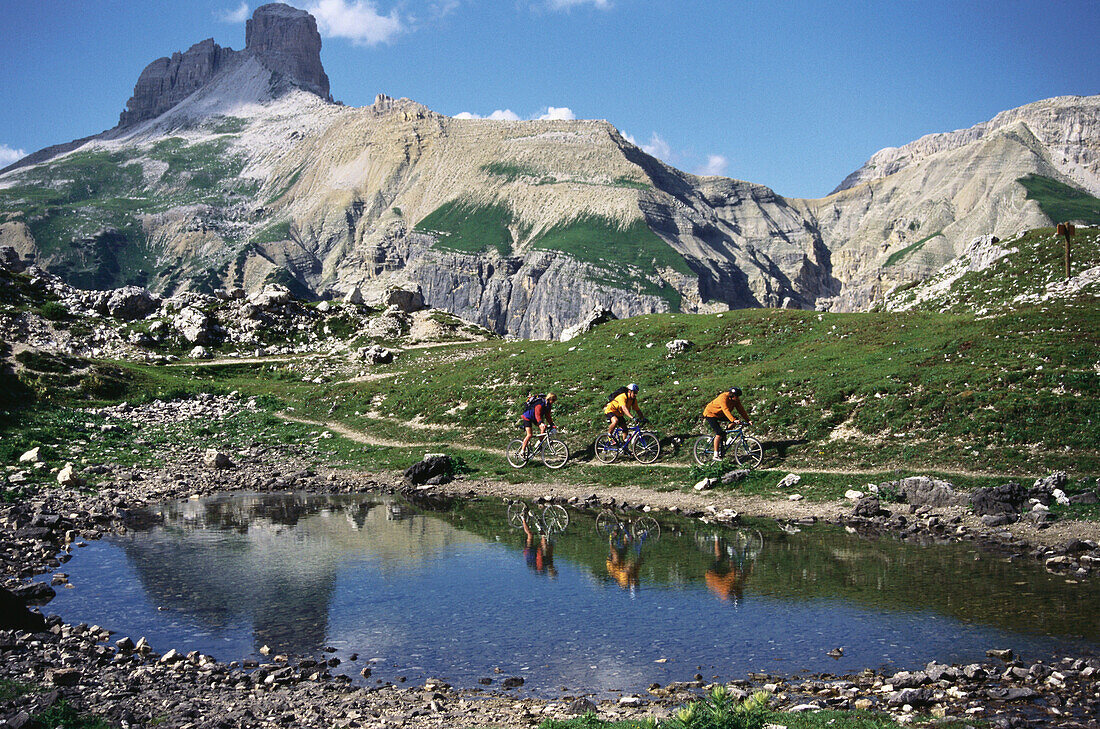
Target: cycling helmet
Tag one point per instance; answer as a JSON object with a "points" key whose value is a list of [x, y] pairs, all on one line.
{"points": [[735, 391], [632, 387]]}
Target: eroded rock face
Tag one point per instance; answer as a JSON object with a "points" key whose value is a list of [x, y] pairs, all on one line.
{"points": [[286, 40], [167, 81]]}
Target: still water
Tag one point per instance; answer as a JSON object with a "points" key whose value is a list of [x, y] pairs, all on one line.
{"points": [[454, 591]]}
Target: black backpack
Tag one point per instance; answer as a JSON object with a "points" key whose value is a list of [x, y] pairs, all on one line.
{"points": [[616, 393]]}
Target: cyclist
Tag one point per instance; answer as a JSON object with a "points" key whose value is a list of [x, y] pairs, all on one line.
{"points": [[618, 409], [717, 413], [537, 412]]}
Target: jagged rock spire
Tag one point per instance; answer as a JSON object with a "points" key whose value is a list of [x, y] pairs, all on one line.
{"points": [[282, 38]]}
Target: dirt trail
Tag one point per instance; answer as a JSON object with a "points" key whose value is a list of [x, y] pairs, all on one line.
{"points": [[744, 504], [361, 437]]}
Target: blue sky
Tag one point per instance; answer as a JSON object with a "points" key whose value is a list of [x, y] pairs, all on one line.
{"points": [[793, 95]]}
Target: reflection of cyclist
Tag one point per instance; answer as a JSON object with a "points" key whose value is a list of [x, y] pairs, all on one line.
{"points": [[537, 411], [624, 557], [618, 409], [724, 578], [539, 558], [717, 413]]}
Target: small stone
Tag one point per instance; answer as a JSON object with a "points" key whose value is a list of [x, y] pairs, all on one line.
{"points": [[705, 484], [31, 456], [68, 478], [789, 480]]}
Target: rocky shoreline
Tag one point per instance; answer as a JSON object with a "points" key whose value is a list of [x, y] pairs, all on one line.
{"points": [[132, 684]]}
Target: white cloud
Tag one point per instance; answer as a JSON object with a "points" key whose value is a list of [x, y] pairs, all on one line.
{"points": [[716, 165], [498, 115], [233, 16], [657, 147], [551, 113], [558, 112], [359, 21], [569, 4], [9, 155]]}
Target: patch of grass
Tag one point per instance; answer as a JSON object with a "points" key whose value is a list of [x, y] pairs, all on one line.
{"points": [[624, 181], [897, 256], [228, 124], [1060, 202], [471, 227], [605, 242], [272, 233], [511, 172]]}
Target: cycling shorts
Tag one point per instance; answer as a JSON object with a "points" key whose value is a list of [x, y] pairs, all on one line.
{"points": [[718, 425]]}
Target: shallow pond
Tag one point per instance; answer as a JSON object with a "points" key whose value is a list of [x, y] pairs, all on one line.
{"points": [[454, 591]]}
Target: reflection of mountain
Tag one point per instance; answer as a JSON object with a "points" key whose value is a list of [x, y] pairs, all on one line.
{"points": [[274, 558]]}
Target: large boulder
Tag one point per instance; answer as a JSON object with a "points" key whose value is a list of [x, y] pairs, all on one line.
{"points": [[272, 296], [129, 303], [15, 615], [404, 299], [869, 507], [194, 325], [1007, 498], [925, 491], [595, 317], [433, 469], [9, 259]]}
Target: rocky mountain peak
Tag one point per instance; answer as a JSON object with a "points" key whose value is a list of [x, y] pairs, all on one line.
{"points": [[167, 81], [284, 39]]}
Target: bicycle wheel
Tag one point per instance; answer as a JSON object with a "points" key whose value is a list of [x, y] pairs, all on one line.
{"points": [[748, 451], [647, 528], [647, 448], [555, 453], [515, 454], [516, 512], [605, 448], [607, 523], [703, 450], [746, 545], [556, 519]]}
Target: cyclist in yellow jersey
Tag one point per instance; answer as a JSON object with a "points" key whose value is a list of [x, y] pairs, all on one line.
{"points": [[619, 409], [717, 413]]}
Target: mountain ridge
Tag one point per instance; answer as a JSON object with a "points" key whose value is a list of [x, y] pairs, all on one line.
{"points": [[525, 227]]}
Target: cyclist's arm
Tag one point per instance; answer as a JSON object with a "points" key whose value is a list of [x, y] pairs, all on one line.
{"points": [[741, 409]]}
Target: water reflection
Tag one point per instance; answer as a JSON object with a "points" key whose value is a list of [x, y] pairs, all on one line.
{"points": [[734, 554], [456, 588]]}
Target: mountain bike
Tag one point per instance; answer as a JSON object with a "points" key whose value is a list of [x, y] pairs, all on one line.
{"points": [[644, 445], [609, 523], [553, 519], [554, 452], [747, 451], [740, 546]]}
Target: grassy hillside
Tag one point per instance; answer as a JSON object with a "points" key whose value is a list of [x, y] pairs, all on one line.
{"points": [[1060, 202], [1032, 273]]}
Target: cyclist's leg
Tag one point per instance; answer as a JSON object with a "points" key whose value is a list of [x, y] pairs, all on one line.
{"points": [[719, 434], [527, 426], [612, 423]]}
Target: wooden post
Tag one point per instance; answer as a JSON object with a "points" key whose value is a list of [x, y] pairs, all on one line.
{"points": [[1066, 230]]}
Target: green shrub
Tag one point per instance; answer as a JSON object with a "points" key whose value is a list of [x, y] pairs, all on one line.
{"points": [[53, 311], [720, 710]]}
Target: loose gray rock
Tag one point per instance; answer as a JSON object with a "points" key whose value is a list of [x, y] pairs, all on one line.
{"points": [[213, 458]]}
